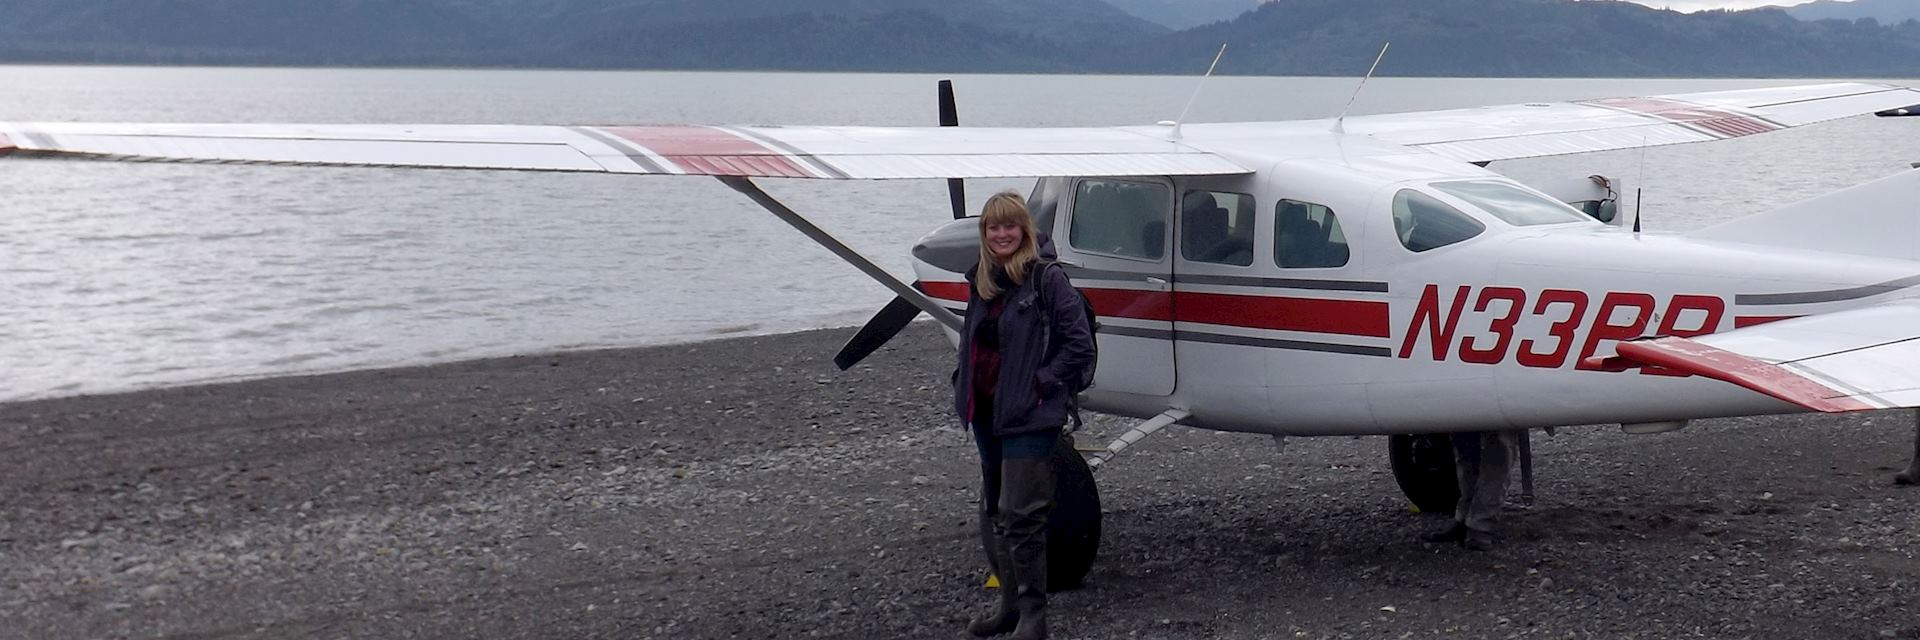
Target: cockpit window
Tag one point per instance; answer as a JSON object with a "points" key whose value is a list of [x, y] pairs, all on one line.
{"points": [[1423, 222], [1516, 206]]}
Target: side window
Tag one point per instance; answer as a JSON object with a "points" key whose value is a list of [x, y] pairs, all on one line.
{"points": [[1120, 218], [1216, 227], [1424, 222], [1307, 236]]}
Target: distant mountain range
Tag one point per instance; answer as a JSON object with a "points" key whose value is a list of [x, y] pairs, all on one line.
{"points": [[1186, 14], [1522, 38], [1885, 11], [1293, 37]]}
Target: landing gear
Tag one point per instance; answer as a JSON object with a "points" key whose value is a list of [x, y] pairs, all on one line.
{"points": [[1073, 528], [1423, 467]]}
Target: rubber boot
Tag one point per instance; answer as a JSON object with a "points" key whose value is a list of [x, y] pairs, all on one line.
{"points": [[1026, 498], [1005, 614], [1454, 533]]}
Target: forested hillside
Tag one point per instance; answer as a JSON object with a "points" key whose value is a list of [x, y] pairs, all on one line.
{"points": [[1293, 37]]}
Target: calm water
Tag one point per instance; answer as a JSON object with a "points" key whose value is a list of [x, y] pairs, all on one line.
{"points": [[116, 277]]}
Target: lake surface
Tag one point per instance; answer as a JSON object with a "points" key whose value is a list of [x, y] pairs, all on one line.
{"points": [[124, 276]]}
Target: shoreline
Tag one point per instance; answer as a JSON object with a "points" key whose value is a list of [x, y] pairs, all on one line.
{"points": [[711, 335]]}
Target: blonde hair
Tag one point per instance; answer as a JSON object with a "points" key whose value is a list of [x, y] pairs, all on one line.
{"points": [[1006, 207]]}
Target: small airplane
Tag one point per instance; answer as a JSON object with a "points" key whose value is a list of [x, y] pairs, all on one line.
{"points": [[1363, 275]]}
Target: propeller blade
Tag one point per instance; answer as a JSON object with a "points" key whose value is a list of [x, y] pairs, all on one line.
{"points": [[950, 117], [878, 330]]}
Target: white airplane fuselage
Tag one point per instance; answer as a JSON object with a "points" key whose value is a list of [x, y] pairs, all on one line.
{"points": [[1502, 329]]}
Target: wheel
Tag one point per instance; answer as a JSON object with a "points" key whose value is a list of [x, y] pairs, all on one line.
{"points": [[1073, 528], [1423, 466]]}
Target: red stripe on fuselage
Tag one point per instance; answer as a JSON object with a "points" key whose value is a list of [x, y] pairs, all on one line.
{"points": [[6, 144], [1317, 315], [711, 151], [955, 291], [1314, 315]]}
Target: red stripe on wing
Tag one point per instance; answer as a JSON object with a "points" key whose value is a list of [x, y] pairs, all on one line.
{"points": [[1691, 357], [711, 151], [1717, 121]]}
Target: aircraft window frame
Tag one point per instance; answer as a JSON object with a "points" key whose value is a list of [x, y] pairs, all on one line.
{"points": [[1447, 227], [1326, 234], [1043, 204], [1161, 214], [1460, 190], [1232, 246]]}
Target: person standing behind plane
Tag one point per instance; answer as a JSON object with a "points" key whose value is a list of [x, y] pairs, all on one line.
{"points": [[1025, 334], [1912, 474], [1481, 464]]}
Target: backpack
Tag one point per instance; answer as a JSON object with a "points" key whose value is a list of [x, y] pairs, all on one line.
{"points": [[1083, 381]]}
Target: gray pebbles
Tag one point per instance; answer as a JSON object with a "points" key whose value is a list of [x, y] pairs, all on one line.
{"points": [[743, 489]]}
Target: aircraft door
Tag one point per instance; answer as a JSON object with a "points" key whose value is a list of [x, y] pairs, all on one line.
{"points": [[1117, 235]]}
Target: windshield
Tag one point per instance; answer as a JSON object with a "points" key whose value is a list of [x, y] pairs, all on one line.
{"points": [[1516, 206], [1423, 222]]}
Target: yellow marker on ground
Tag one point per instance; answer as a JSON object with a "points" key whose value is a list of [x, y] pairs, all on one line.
{"points": [[993, 581]]}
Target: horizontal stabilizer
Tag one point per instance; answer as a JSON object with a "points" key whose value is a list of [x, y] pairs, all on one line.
{"points": [[1856, 360], [1879, 218]]}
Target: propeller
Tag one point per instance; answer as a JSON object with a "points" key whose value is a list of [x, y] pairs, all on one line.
{"points": [[894, 317], [950, 117]]}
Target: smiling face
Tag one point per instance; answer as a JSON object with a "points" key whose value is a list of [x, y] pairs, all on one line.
{"points": [[1004, 238]]}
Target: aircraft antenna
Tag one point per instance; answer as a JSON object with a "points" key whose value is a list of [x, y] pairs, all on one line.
{"points": [[1196, 92], [1340, 123], [1638, 182], [1636, 209]]}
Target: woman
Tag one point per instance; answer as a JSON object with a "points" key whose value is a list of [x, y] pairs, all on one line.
{"points": [[1025, 333]]}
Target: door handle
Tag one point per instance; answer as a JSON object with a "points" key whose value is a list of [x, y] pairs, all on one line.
{"points": [[1158, 282]]}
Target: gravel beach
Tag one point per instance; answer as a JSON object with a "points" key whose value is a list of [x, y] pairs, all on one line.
{"points": [[742, 488]]}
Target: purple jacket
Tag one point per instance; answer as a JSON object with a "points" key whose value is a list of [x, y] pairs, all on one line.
{"points": [[1044, 339]]}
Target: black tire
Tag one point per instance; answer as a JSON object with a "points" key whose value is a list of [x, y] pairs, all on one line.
{"points": [[1423, 466], [1073, 528]]}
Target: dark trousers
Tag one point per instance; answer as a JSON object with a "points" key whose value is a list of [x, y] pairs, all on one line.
{"points": [[1482, 462], [1016, 496]]}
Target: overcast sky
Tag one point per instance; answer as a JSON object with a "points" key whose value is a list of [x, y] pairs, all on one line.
{"points": [[1696, 5]]}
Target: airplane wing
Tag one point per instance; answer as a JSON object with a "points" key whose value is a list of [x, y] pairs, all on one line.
{"points": [[1531, 130], [1474, 135], [756, 151], [1867, 358]]}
